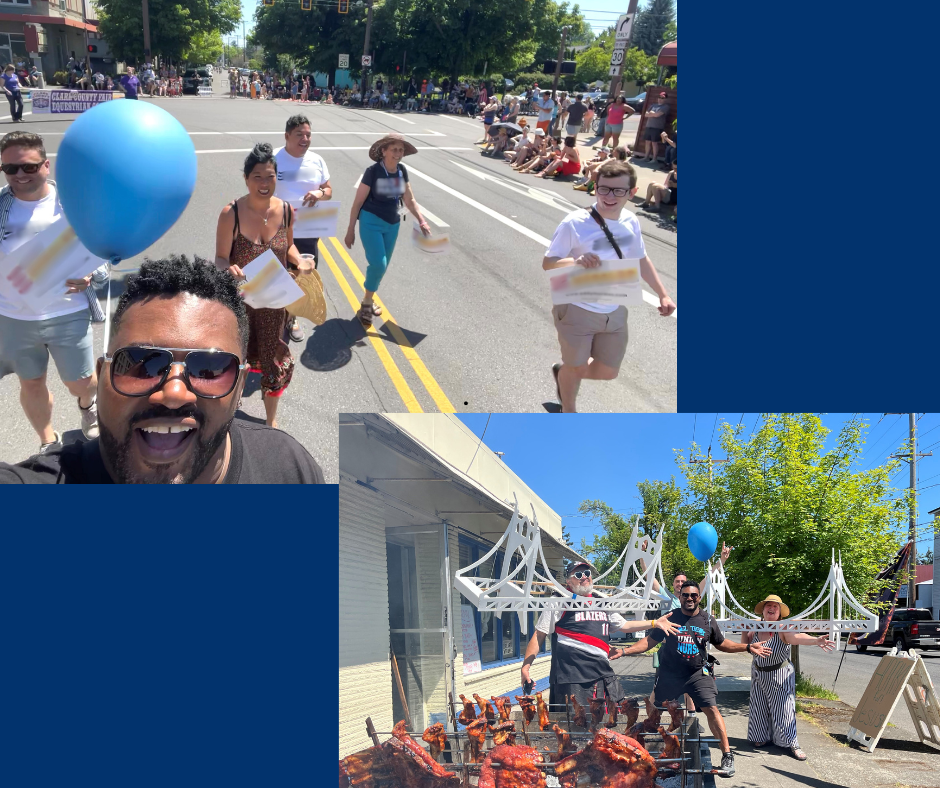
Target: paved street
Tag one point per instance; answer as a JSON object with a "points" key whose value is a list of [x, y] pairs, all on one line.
{"points": [[469, 331]]}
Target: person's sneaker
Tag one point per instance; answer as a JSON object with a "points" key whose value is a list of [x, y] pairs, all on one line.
{"points": [[581, 187], [727, 765], [296, 331], [56, 444], [90, 420]]}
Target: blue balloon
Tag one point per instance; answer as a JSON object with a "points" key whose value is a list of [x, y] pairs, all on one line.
{"points": [[125, 172], [703, 539]]}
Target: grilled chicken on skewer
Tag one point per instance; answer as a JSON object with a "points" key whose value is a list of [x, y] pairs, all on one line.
{"points": [[518, 768], [580, 713], [486, 708], [543, 711], [504, 733], [469, 713], [597, 711], [528, 708], [672, 747], [476, 735], [630, 707], [611, 760], [504, 707], [437, 738], [564, 742]]}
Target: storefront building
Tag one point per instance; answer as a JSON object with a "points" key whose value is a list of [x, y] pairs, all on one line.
{"points": [[47, 32], [421, 496]]}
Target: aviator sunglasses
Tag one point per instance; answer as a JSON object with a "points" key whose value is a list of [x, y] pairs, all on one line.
{"points": [[140, 371], [29, 169], [693, 597]]}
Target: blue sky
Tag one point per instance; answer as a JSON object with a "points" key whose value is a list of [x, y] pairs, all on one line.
{"points": [[599, 13], [568, 459]]}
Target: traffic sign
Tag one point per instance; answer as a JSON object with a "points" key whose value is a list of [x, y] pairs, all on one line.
{"points": [[624, 25], [615, 71], [367, 60], [344, 61], [617, 57]]}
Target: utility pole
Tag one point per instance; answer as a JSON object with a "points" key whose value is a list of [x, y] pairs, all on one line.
{"points": [[146, 13], [912, 524], [561, 55], [365, 52], [244, 44], [618, 81]]}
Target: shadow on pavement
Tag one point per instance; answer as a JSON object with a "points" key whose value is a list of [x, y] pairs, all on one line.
{"points": [[330, 345], [899, 745], [412, 336], [240, 414]]}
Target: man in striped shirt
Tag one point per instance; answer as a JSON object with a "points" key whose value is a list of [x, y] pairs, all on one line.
{"points": [[581, 645]]}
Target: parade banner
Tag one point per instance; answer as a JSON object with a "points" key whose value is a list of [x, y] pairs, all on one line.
{"points": [[317, 221], [62, 102], [269, 286], [612, 282], [35, 272], [434, 245]]}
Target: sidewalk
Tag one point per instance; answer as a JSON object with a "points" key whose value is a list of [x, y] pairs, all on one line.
{"points": [[899, 761]]}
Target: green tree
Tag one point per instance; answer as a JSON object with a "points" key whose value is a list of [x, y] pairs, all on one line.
{"points": [[925, 558], [651, 25], [172, 25], [638, 67], [204, 47], [593, 64], [786, 503], [671, 33]]}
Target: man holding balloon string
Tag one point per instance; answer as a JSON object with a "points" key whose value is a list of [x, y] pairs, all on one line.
{"points": [[686, 667]]}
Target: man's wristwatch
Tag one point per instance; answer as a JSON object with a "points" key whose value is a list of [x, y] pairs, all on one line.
{"points": [[749, 649]]}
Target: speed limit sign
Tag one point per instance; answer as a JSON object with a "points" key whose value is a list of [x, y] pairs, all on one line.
{"points": [[344, 61], [367, 60]]}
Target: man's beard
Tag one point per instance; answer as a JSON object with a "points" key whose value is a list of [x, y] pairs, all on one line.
{"points": [[584, 589], [117, 453]]}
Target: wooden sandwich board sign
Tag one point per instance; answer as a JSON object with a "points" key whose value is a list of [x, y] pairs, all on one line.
{"points": [[899, 674]]}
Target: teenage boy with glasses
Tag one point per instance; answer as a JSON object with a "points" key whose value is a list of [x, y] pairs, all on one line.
{"points": [[589, 330], [29, 204], [580, 645], [684, 667], [169, 385]]}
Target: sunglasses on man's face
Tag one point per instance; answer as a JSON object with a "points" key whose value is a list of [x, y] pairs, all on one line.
{"points": [[29, 169], [581, 575], [693, 597], [140, 371]]}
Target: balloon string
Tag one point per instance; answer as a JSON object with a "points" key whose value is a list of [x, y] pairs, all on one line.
{"points": [[112, 261]]}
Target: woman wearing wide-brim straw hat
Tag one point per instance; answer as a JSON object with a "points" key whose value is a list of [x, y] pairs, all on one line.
{"points": [[772, 717], [383, 190]]}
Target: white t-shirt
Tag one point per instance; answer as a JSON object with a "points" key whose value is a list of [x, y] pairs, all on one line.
{"points": [[579, 234], [536, 93], [546, 109], [296, 177], [27, 219], [549, 618]]}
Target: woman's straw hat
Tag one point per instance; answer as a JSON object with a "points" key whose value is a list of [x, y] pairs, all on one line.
{"points": [[375, 152], [784, 610]]}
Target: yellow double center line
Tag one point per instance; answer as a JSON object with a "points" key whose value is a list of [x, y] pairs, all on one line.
{"points": [[378, 342]]}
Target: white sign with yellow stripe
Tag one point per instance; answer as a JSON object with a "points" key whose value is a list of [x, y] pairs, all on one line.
{"points": [[435, 244], [612, 282], [318, 221], [269, 286]]}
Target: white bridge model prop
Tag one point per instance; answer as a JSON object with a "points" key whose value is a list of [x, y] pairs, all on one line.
{"points": [[524, 589]]}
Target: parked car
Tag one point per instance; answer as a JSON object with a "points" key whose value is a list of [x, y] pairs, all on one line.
{"points": [[911, 628], [194, 78], [637, 102]]}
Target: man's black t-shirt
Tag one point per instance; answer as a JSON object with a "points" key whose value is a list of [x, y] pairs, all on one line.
{"points": [[681, 655], [576, 114], [260, 455], [386, 191]]}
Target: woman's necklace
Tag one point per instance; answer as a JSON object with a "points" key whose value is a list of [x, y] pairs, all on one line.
{"points": [[262, 215]]}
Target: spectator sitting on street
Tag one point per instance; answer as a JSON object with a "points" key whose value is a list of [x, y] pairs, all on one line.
{"points": [[531, 151], [619, 153], [549, 151], [568, 163], [589, 167], [516, 144], [497, 144], [668, 193], [672, 150]]}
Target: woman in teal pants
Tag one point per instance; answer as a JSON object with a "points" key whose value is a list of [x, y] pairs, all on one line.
{"points": [[381, 193]]}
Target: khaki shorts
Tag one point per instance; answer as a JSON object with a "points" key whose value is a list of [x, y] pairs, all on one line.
{"points": [[583, 334]]}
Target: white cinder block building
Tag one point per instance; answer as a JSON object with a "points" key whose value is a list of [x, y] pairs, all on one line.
{"points": [[420, 497]]}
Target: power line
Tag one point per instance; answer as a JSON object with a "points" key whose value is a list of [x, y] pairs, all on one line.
{"points": [[488, 416], [711, 440], [693, 427]]}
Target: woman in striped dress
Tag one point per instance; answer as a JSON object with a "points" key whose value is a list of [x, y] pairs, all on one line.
{"points": [[772, 716]]}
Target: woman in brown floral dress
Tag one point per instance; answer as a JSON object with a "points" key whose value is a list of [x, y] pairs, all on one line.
{"points": [[247, 227]]}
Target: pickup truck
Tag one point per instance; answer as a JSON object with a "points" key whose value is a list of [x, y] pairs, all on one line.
{"points": [[911, 628]]}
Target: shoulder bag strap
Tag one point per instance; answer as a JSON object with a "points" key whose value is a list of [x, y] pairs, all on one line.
{"points": [[235, 211], [610, 236]]}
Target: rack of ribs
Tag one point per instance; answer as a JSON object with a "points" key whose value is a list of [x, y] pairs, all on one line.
{"points": [[543, 711], [518, 768], [469, 713], [486, 708], [611, 760], [400, 761], [528, 708], [580, 713], [476, 735], [564, 742], [504, 707], [504, 733], [630, 707], [672, 747], [437, 738]]}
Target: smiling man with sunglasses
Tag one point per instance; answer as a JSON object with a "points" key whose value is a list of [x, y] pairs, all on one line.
{"points": [[593, 336], [580, 645], [685, 667], [168, 388]]}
